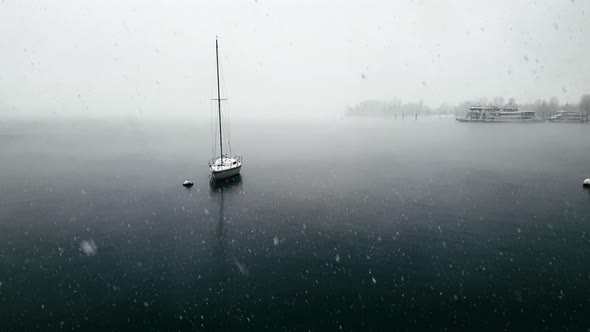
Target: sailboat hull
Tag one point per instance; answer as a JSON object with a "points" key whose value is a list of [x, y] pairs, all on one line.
{"points": [[218, 175]]}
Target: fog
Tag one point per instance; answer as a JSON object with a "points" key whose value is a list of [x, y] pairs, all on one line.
{"points": [[284, 59], [346, 193]]}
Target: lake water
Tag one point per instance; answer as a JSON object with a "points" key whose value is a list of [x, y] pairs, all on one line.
{"points": [[348, 224]]}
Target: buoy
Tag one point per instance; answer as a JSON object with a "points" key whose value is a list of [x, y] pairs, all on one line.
{"points": [[188, 183], [586, 183]]}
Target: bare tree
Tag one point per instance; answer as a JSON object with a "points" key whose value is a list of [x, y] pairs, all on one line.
{"points": [[570, 108], [585, 104], [512, 102], [498, 101], [553, 105], [482, 101]]}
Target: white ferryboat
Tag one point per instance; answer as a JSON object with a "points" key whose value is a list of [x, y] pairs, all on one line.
{"points": [[508, 113], [568, 116]]}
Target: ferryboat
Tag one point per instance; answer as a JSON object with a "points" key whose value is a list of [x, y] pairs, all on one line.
{"points": [[508, 113], [568, 116]]}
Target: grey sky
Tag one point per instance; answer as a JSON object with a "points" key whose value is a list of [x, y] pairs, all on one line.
{"points": [[286, 57]]}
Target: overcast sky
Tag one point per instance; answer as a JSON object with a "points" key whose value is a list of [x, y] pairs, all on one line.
{"points": [[286, 57]]}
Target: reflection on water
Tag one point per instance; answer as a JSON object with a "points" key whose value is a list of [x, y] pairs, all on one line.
{"points": [[218, 190], [226, 266], [230, 184], [220, 236]]}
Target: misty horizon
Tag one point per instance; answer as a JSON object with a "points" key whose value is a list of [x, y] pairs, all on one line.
{"points": [[295, 58]]}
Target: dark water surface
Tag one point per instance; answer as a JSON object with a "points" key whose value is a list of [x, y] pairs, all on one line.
{"points": [[349, 224]]}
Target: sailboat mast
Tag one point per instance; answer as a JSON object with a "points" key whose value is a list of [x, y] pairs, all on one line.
{"points": [[219, 102]]}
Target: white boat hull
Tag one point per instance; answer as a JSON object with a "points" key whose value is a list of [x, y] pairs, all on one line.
{"points": [[498, 120], [218, 175], [566, 121]]}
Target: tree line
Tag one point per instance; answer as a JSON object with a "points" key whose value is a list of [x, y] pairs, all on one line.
{"points": [[396, 107]]}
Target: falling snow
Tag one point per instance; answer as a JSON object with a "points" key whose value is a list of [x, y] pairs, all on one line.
{"points": [[88, 247]]}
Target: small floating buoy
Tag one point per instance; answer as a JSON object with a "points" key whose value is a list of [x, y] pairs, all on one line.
{"points": [[586, 183], [188, 183]]}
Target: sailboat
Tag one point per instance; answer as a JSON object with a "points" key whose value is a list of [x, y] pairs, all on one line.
{"points": [[224, 166]]}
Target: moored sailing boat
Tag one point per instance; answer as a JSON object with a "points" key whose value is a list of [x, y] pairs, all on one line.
{"points": [[224, 166]]}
